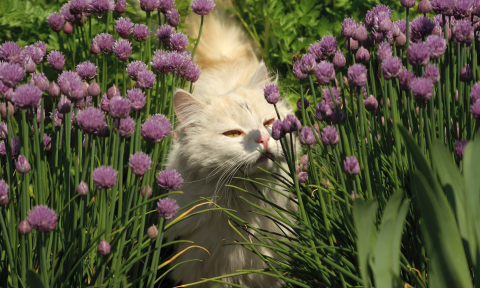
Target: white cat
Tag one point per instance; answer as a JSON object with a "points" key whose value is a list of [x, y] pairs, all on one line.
{"points": [[220, 127]]}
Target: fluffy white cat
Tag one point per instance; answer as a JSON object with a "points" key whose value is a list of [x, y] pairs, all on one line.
{"points": [[220, 127]]}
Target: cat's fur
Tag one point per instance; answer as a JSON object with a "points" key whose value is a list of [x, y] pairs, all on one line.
{"points": [[228, 95]]}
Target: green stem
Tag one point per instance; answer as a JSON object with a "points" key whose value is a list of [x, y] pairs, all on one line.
{"points": [[198, 38]]}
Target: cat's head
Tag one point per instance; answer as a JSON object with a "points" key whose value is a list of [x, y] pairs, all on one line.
{"points": [[218, 135]]}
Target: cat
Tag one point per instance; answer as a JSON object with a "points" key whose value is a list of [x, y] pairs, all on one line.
{"points": [[221, 126]]}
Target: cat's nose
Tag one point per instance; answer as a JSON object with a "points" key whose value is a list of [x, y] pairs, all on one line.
{"points": [[263, 139]]}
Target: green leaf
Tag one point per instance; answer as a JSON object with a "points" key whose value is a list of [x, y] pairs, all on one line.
{"points": [[33, 280]]}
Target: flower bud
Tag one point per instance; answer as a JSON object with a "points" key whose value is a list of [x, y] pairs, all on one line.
{"points": [[67, 29], [82, 188], [113, 91], [24, 228], [149, 193], [152, 232], [94, 89], [104, 248], [22, 165]]}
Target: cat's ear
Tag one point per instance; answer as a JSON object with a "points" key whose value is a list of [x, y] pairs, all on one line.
{"points": [[260, 78], [185, 105]]}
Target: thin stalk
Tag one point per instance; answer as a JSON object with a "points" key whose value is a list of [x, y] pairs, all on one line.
{"points": [[198, 38]]}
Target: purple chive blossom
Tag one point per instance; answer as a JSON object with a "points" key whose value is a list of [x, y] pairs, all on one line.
{"points": [[166, 5], [167, 208], [372, 16], [350, 166], [359, 34], [11, 74], [348, 26], [23, 227], [327, 97], [119, 107], [140, 32], [178, 41], [122, 49], [163, 34], [137, 99], [32, 52], [392, 67], [419, 54], [113, 91], [71, 85], [314, 49], [371, 103], [339, 60], [28, 65], [55, 21], [67, 15], [384, 51], [271, 93], [104, 42], [405, 78], [463, 31], [432, 73], [444, 7], [169, 179], [104, 103], [362, 55], [134, 68], [146, 79], [466, 74], [10, 52], [124, 27], [149, 5], [47, 142], [307, 137], [302, 177], [127, 126], [462, 9], [437, 46], [330, 135], [424, 6], [277, 130], [121, 6], [156, 128], [15, 148], [64, 105], [22, 166], [56, 60], [104, 177], [475, 93], [291, 124], [87, 70], [307, 63], [475, 110], [94, 89], [421, 27], [82, 188], [328, 45], [407, 3], [305, 103], [175, 60], [78, 6], [460, 148], [173, 17], [152, 232], [91, 120], [40, 80], [42, 219], [3, 131], [422, 89], [160, 62], [104, 248], [324, 72], [27, 96], [56, 120], [192, 73], [202, 7], [100, 7], [140, 163], [357, 75], [297, 72]]}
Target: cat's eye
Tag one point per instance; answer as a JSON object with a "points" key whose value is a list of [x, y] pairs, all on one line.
{"points": [[233, 133], [268, 122]]}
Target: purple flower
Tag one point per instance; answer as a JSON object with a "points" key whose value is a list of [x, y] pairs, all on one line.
{"points": [[475, 93], [78, 6], [327, 97], [466, 74], [357, 75], [39, 80], [307, 63], [350, 166], [192, 72], [104, 103], [307, 137], [122, 49], [149, 5], [94, 89], [462, 9], [87, 70], [91, 120], [152, 232], [392, 67], [202, 7], [437, 46], [348, 26], [407, 3], [42, 219], [178, 41], [330, 135], [169, 179], [104, 177], [127, 126], [302, 177], [166, 5], [67, 15], [163, 34], [424, 6], [271, 93], [167, 208], [419, 54], [11, 74], [173, 17], [475, 110], [328, 45], [359, 34], [444, 7], [315, 50], [305, 103], [371, 103], [121, 6], [405, 78], [3, 110], [32, 52], [140, 163], [104, 248], [3, 131], [104, 42], [140, 32], [23, 227], [339, 60], [3, 193], [119, 107], [384, 51], [297, 72], [324, 72], [55, 21], [291, 124], [64, 105], [82, 188], [377, 14], [460, 148], [156, 128], [27, 96], [277, 130], [15, 148], [113, 91], [71, 85], [10, 52], [58, 119], [56, 60], [149, 191], [422, 89], [137, 99], [22, 165], [134, 68], [463, 31], [160, 62], [421, 27], [432, 73], [146, 79], [124, 27], [362, 55], [99, 7]]}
